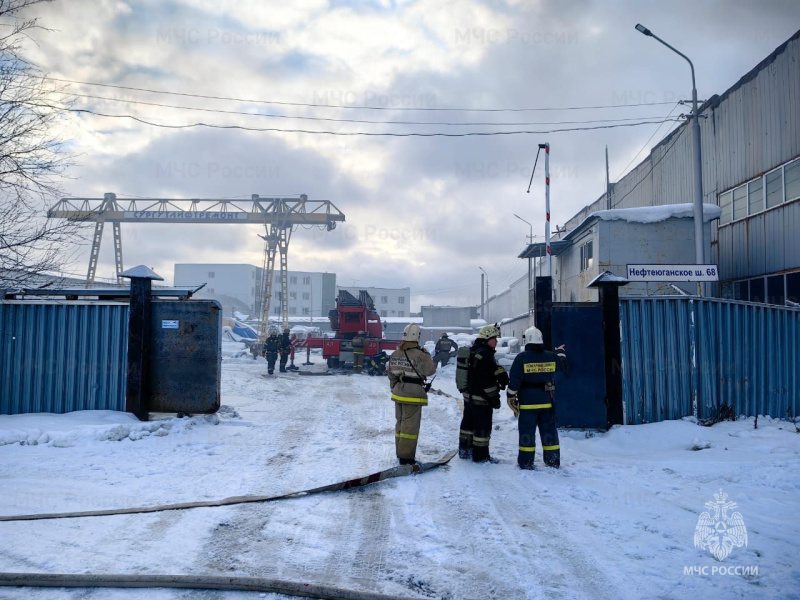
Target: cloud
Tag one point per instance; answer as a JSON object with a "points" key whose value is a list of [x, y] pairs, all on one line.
{"points": [[421, 212]]}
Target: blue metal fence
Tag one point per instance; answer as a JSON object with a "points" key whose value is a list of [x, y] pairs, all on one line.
{"points": [[59, 357], [689, 356]]}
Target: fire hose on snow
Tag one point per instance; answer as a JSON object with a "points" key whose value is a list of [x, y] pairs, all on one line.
{"points": [[212, 582]]}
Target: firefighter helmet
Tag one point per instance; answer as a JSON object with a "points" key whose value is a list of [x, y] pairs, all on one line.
{"points": [[285, 330], [533, 336], [411, 333], [488, 332], [361, 332]]}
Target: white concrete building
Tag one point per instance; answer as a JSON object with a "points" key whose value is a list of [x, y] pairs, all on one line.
{"points": [[389, 302], [238, 286]]}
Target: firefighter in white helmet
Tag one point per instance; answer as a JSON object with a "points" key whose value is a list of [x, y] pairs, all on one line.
{"points": [[485, 379], [409, 366], [530, 397]]}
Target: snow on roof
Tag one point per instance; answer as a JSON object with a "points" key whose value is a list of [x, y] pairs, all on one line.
{"points": [[656, 214]]}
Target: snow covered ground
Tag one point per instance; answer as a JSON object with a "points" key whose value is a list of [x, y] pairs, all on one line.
{"points": [[617, 521]]}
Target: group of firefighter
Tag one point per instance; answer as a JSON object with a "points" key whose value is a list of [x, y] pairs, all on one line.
{"points": [[529, 393], [282, 347]]}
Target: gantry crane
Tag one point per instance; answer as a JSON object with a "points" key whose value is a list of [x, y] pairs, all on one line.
{"points": [[278, 215]]}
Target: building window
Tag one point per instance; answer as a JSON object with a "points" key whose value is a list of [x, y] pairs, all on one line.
{"points": [[757, 290], [293, 295], [292, 310], [277, 295], [725, 206], [210, 290], [791, 178], [306, 296], [740, 202], [774, 188], [306, 280], [293, 280], [586, 256], [211, 274], [401, 313], [775, 290], [740, 290], [306, 311], [384, 299], [755, 195], [793, 287], [401, 300], [383, 313]]}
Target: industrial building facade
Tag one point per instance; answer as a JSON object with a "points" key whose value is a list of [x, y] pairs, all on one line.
{"points": [[750, 146], [238, 287]]}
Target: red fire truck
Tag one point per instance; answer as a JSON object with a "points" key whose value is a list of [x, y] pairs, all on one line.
{"points": [[351, 316]]}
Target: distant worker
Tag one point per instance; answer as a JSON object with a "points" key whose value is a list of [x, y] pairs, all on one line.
{"points": [[295, 342], [530, 397], [409, 365], [485, 378], [285, 349], [443, 348], [358, 352], [377, 364], [271, 347]]}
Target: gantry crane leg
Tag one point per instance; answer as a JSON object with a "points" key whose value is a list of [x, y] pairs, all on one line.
{"points": [[118, 251]]}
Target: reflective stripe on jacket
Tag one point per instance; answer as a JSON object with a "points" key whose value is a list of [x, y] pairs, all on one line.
{"points": [[403, 379]]}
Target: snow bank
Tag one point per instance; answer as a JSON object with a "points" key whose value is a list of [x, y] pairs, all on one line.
{"points": [[75, 428]]}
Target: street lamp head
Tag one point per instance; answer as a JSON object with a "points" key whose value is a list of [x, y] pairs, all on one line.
{"points": [[642, 29]]}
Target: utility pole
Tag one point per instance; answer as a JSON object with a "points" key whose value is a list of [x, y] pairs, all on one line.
{"points": [[483, 314], [546, 147], [608, 184]]}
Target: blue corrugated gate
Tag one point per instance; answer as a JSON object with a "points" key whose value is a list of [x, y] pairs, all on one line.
{"points": [[580, 393], [689, 356], [62, 356]]}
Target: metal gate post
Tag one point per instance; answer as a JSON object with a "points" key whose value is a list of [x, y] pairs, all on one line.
{"points": [[608, 285], [137, 383]]}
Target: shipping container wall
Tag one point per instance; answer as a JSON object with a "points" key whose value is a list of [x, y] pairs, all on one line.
{"points": [[689, 357], [58, 357]]}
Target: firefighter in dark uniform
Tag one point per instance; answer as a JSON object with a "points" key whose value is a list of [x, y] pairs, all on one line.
{"points": [[485, 380], [271, 347], [442, 350], [358, 352], [409, 365], [285, 349], [377, 364], [530, 397]]}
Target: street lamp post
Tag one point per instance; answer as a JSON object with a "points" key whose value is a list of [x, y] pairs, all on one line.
{"points": [[530, 241], [699, 244], [487, 293]]}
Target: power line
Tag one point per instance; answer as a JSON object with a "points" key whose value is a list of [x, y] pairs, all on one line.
{"points": [[390, 122], [351, 133], [347, 106], [653, 166], [677, 104]]}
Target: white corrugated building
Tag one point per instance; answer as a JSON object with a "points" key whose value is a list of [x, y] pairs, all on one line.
{"points": [[750, 137]]}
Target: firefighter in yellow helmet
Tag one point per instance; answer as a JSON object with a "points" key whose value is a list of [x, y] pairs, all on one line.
{"points": [[409, 366], [485, 379], [358, 351]]}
